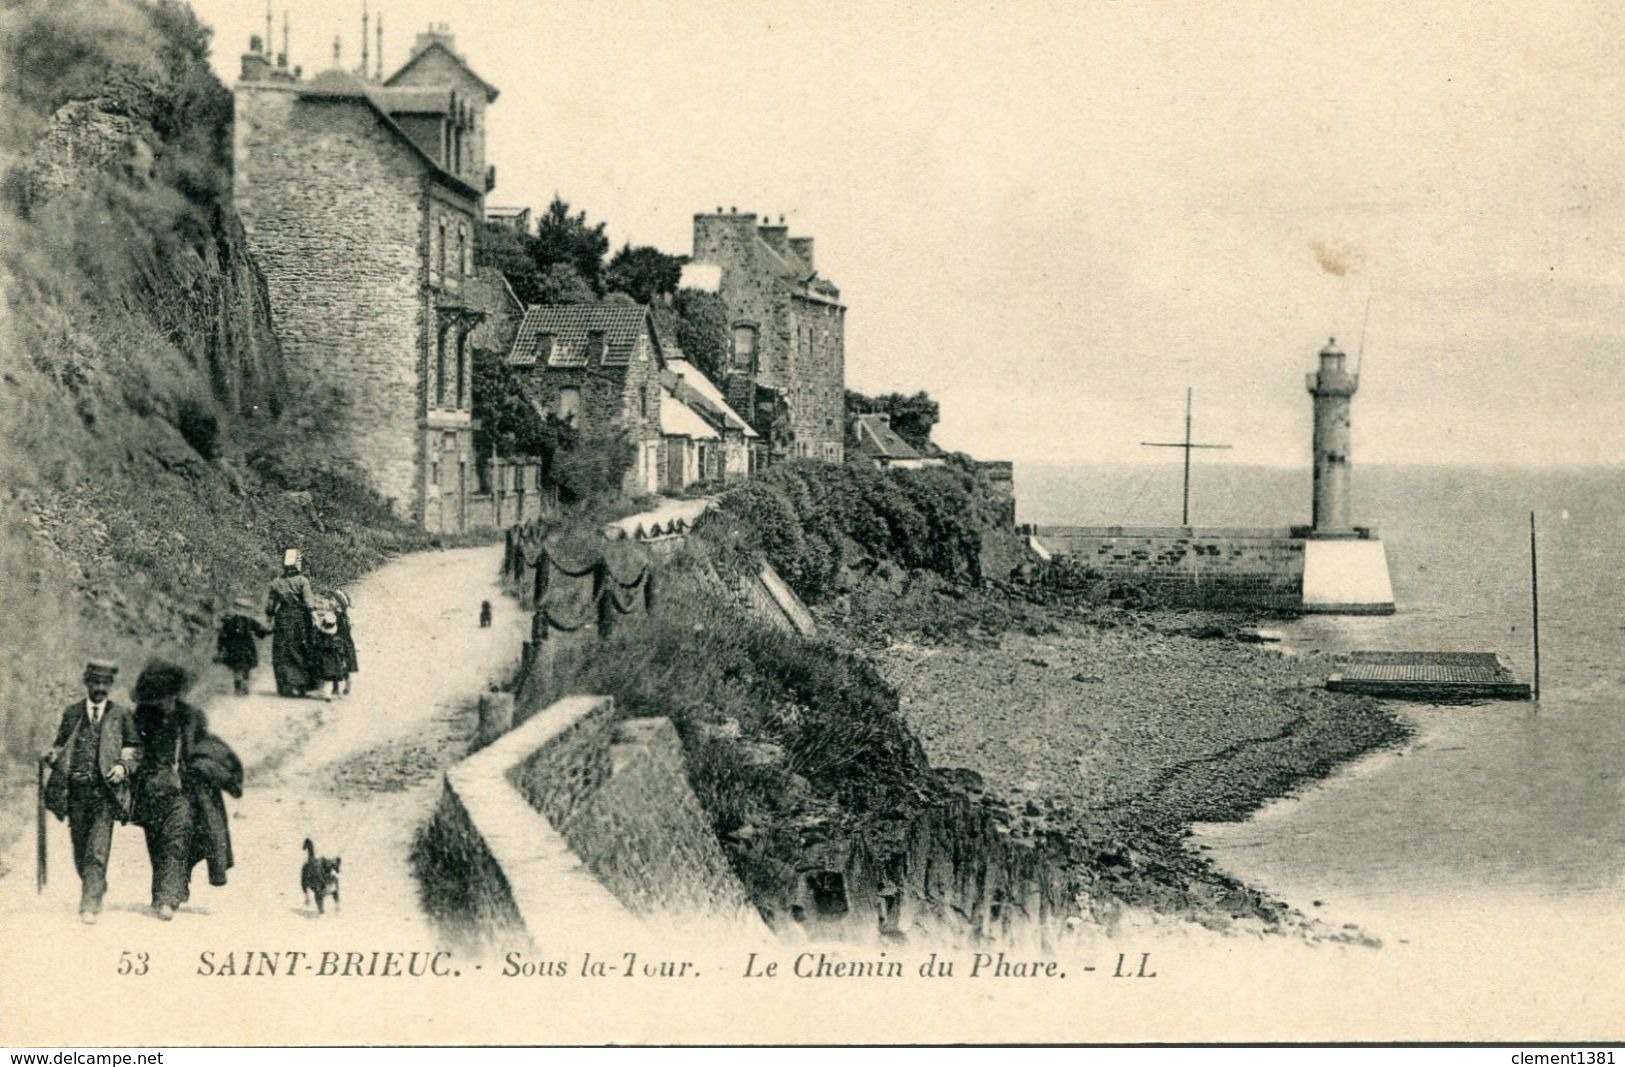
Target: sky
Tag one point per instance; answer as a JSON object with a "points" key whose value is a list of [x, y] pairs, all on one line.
{"points": [[1056, 217]]}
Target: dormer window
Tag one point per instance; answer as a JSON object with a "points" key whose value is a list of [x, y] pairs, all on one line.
{"points": [[544, 347], [595, 346]]}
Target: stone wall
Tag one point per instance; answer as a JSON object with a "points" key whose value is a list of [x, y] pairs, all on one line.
{"points": [[344, 220], [618, 792], [332, 206], [1221, 569], [575, 825]]}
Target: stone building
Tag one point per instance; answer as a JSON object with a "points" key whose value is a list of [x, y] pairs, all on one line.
{"points": [[786, 368], [597, 366], [361, 197], [876, 444], [729, 459]]}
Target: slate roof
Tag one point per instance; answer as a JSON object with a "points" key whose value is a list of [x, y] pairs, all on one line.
{"points": [[694, 388], [677, 419], [564, 330], [876, 438]]}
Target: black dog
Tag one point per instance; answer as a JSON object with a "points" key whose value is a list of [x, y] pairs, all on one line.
{"points": [[319, 878], [485, 614]]}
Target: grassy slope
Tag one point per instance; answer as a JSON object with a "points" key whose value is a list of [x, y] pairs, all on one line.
{"points": [[153, 464]]}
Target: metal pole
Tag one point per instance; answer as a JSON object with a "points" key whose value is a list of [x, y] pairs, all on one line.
{"points": [[1534, 600], [40, 831], [1185, 509]]}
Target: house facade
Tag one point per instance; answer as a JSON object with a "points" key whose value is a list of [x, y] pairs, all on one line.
{"points": [[786, 371], [360, 196], [597, 366], [725, 456]]}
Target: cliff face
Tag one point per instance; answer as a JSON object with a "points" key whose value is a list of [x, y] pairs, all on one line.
{"points": [[154, 463]]}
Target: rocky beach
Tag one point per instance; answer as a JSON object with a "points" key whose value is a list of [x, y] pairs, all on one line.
{"points": [[1119, 728]]}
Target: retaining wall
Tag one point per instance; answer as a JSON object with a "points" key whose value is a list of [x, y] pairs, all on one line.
{"points": [[1184, 566], [573, 827]]}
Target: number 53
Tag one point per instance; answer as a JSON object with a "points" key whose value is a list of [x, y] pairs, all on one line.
{"points": [[132, 963]]}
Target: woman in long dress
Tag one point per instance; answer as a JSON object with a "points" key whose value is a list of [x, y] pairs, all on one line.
{"points": [[289, 607]]}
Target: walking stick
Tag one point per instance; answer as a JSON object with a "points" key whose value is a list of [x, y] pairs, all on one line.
{"points": [[39, 829]]}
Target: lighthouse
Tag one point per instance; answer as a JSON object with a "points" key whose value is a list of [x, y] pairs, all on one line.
{"points": [[1345, 567], [1333, 388]]}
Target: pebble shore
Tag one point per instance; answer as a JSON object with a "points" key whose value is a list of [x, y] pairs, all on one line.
{"points": [[1123, 728]]}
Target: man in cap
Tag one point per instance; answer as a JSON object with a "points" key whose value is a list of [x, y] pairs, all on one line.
{"points": [[170, 729], [93, 759]]}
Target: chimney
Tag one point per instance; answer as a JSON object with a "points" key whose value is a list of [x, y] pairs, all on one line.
{"points": [[380, 44], [803, 247], [775, 237], [366, 27], [256, 65], [437, 33]]}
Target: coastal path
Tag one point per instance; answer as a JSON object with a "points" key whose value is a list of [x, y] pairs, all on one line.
{"points": [[358, 775]]}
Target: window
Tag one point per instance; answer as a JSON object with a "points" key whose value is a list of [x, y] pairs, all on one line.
{"points": [[462, 365], [744, 349], [569, 403], [544, 347], [643, 400], [440, 368], [462, 251], [595, 345], [440, 248], [467, 247], [434, 473]]}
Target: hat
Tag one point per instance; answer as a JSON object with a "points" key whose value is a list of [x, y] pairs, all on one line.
{"points": [[293, 558], [247, 603], [101, 668], [342, 599], [160, 680]]}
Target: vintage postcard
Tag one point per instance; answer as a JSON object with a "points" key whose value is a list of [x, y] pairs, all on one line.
{"points": [[747, 522]]}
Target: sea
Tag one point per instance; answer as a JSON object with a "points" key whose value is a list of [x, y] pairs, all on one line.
{"points": [[1496, 818]]}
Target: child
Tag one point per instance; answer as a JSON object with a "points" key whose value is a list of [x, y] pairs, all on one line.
{"points": [[236, 647], [328, 659], [341, 607]]}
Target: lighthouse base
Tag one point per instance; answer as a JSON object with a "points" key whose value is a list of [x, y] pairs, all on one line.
{"points": [[1344, 576]]}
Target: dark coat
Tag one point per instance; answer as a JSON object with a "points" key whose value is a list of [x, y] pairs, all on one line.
{"points": [[212, 768], [166, 746], [289, 605], [348, 639], [120, 745], [237, 647]]}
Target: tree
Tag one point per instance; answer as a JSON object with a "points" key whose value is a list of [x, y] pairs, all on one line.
{"points": [[561, 283], [643, 273], [702, 331], [912, 417], [510, 252], [509, 424], [565, 238]]}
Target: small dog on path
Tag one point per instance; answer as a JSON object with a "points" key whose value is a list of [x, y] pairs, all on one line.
{"points": [[485, 614], [319, 878]]}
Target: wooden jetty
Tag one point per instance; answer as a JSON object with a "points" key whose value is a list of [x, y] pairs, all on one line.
{"points": [[1438, 677]]}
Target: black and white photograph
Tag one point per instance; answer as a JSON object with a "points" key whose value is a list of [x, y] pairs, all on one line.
{"points": [[627, 522]]}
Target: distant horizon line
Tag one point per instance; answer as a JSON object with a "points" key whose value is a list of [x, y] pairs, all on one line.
{"points": [[1374, 464]]}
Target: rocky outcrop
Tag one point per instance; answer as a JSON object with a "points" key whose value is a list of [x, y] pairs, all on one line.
{"points": [[196, 283]]}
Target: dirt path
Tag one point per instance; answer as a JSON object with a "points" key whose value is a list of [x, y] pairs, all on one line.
{"points": [[357, 775]]}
